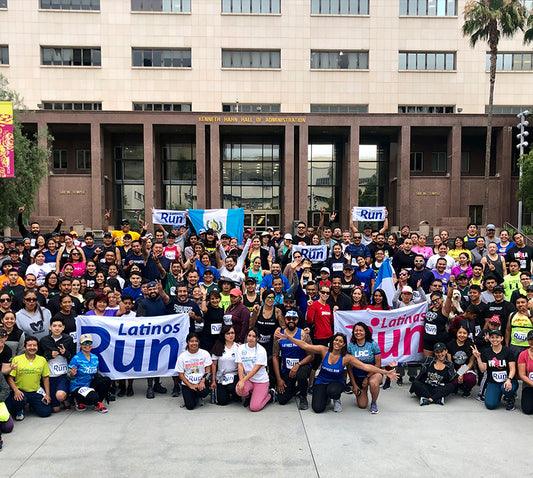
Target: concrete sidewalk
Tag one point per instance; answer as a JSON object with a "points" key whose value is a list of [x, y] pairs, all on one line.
{"points": [[140, 438]]}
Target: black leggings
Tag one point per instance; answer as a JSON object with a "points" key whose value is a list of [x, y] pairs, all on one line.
{"points": [[295, 386], [324, 391], [226, 393], [527, 400], [101, 386], [435, 393], [190, 396]]}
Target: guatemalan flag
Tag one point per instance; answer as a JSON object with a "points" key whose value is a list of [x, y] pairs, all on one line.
{"points": [[385, 281], [223, 221]]}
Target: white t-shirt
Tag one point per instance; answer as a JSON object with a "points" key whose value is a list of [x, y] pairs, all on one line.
{"points": [[226, 366], [250, 358], [193, 365]]}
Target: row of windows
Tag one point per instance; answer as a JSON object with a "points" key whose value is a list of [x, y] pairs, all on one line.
{"points": [[426, 61], [250, 108], [425, 109], [438, 162], [71, 56], [60, 159], [74, 106], [264, 7], [162, 107], [171, 58]]}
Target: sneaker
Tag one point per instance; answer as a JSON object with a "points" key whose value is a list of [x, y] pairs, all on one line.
{"points": [[348, 389], [480, 398], [159, 388], [374, 408], [80, 407], [176, 391], [201, 402], [150, 392], [337, 406], [99, 407], [399, 382], [66, 405], [246, 402], [129, 392], [510, 405], [310, 391], [19, 416], [121, 392], [386, 385], [272, 394], [466, 393], [111, 397], [440, 402], [304, 405], [424, 401]]}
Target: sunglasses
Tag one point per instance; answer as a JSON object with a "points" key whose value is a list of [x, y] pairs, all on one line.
{"points": [[31, 299], [5, 300], [323, 292], [270, 298], [87, 342]]}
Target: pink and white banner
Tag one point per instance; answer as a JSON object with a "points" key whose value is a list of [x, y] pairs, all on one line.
{"points": [[399, 333]]}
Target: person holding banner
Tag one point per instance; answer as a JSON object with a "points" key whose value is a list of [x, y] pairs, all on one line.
{"points": [[225, 373], [194, 369]]}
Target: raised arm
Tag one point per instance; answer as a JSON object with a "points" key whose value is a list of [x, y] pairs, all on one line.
{"points": [[316, 349]]}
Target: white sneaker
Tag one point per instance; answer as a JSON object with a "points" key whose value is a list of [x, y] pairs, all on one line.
{"points": [[337, 406]]}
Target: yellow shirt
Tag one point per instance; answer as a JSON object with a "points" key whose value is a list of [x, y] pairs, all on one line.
{"points": [[28, 374], [119, 234]]}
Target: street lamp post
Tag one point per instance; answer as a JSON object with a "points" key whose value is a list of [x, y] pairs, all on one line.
{"points": [[521, 145]]}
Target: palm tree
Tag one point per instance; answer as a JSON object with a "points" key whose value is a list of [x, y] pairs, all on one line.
{"points": [[489, 20]]}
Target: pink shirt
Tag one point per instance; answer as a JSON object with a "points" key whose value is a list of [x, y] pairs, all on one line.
{"points": [[425, 251]]}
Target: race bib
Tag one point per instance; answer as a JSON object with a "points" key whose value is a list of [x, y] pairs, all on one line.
{"points": [[337, 267], [84, 391], [227, 379], [478, 330], [171, 255], [520, 336], [41, 391], [60, 369], [522, 264], [263, 339], [195, 378], [215, 329], [431, 329], [74, 336], [228, 319], [291, 362], [530, 375], [499, 376]]}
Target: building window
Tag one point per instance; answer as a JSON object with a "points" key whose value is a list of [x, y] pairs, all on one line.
{"points": [[251, 175], [60, 159], [476, 214], [339, 108], [3, 3], [428, 8], [251, 59], [178, 161], [417, 162], [155, 58], [4, 55], [465, 162], [66, 56], [162, 107], [129, 180], [438, 161], [511, 62], [70, 4], [339, 7], [425, 109], [264, 7], [339, 60], [429, 61], [83, 159], [507, 110], [75, 106], [322, 177], [166, 6], [250, 108]]}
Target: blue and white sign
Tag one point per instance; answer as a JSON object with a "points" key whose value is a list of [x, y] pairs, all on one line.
{"points": [[138, 347], [313, 253], [368, 214], [222, 221], [168, 217]]}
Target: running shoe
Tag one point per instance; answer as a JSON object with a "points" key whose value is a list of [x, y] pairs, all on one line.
{"points": [[176, 391], [304, 405], [158, 388], [374, 408], [510, 405], [99, 407], [386, 385], [348, 389], [80, 407], [19, 416], [337, 406], [424, 401]]}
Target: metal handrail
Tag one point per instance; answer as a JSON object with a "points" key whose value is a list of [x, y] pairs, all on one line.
{"points": [[509, 226]]}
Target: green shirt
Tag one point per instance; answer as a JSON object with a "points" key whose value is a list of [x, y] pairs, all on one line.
{"points": [[28, 374]]}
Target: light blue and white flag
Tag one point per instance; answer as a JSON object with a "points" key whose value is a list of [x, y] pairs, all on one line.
{"points": [[168, 217], [385, 281], [368, 214], [223, 221]]}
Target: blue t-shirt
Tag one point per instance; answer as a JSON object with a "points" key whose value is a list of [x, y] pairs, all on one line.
{"points": [[49, 257], [365, 353], [365, 277], [134, 292], [86, 370], [201, 268]]}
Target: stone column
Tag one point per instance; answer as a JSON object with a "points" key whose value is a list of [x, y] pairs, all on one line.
{"points": [[288, 197], [97, 188], [148, 143]]}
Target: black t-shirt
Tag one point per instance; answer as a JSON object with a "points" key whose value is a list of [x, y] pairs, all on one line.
{"points": [[503, 310], [460, 353], [435, 327], [343, 302], [483, 311], [5, 355], [497, 363], [437, 378], [401, 260], [373, 247], [213, 322], [523, 256], [347, 286]]}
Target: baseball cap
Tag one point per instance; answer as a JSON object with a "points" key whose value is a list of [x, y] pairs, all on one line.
{"points": [[107, 234], [235, 292], [497, 332], [124, 221], [288, 236], [439, 347], [14, 251], [491, 227], [367, 226], [498, 288], [86, 337], [462, 275], [325, 269], [152, 283], [407, 290], [495, 319], [288, 296], [529, 335], [529, 288], [265, 233], [201, 231], [3, 333], [291, 313], [347, 267], [250, 280]]}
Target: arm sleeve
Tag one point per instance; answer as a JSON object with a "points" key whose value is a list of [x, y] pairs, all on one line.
{"points": [[242, 257]]}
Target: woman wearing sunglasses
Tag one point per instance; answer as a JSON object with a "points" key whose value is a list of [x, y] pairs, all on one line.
{"points": [[33, 319], [87, 388]]}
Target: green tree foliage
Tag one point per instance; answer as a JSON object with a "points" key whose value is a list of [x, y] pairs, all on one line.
{"points": [[488, 21], [32, 156], [525, 191]]}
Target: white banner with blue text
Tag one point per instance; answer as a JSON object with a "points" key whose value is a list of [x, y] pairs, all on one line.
{"points": [[138, 347], [399, 332], [368, 214], [168, 217], [313, 253]]}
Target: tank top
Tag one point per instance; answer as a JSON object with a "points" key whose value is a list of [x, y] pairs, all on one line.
{"points": [[248, 303], [520, 326], [330, 372], [435, 325], [291, 354], [65, 256], [498, 266], [266, 328]]}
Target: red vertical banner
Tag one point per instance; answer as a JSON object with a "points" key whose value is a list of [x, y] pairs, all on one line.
{"points": [[7, 152]]}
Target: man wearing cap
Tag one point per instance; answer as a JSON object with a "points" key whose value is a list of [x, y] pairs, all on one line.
{"points": [[462, 284], [289, 305], [482, 339], [108, 246], [65, 288], [124, 229], [348, 280], [292, 364], [491, 234], [134, 256], [27, 371], [518, 326], [499, 307], [17, 264]]}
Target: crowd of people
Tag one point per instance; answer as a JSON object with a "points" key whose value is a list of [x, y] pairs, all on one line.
{"points": [[262, 315]]}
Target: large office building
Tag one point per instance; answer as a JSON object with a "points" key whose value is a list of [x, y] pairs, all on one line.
{"points": [[281, 107]]}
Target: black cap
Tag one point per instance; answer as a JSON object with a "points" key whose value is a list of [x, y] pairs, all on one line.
{"points": [[107, 234], [367, 226], [499, 288], [347, 267], [288, 296], [124, 222], [529, 335], [225, 279], [251, 280], [3, 332], [14, 251], [529, 288], [439, 347], [497, 332], [462, 275]]}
